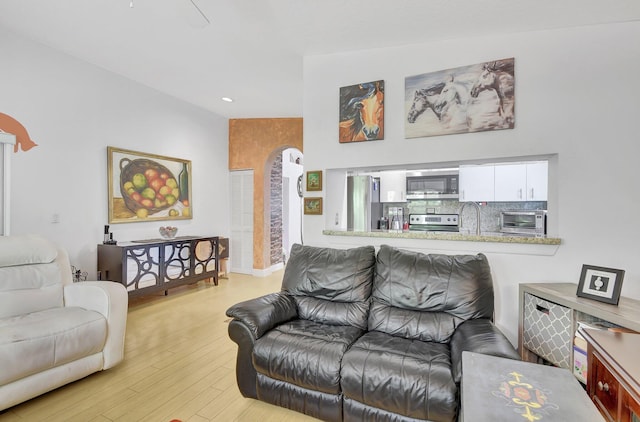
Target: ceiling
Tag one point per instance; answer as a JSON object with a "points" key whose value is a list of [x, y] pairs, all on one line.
{"points": [[252, 50]]}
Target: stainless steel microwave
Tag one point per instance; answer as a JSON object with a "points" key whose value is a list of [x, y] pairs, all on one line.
{"points": [[524, 222], [433, 186]]}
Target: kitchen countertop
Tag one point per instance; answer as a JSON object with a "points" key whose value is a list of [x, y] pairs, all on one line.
{"points": [[456, 236]]}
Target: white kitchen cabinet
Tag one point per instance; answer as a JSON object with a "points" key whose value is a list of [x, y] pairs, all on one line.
{"points": [[511, 182], [476, 183], [521, 182], [537, 181], [393, 186]]}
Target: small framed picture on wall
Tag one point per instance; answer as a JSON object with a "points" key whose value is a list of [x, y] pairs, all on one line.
{"points": [[313, 206], [314, 181]]}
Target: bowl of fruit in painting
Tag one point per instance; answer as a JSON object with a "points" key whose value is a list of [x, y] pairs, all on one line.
{"points": [[147, 186], [168, 232]]}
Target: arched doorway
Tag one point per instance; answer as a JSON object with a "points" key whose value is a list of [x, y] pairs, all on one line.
{"points": [[252, 146]]}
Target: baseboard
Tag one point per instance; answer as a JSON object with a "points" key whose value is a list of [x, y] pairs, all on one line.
{"points": [[266, 272]]}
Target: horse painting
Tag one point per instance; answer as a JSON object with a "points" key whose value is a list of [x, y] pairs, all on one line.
{"points": [[424, 99], [362, 112], [440, 98], [498, 77], [459, 100]]}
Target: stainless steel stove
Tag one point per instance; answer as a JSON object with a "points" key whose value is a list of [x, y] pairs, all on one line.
{"points": [[433, 222]]}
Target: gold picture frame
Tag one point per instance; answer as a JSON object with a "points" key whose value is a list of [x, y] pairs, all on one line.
{"points": [[147, 187], [314, 181], [313, 206]]}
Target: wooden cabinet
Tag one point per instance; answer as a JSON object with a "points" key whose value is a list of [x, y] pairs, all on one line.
{"points": [[605, 391], [614, 373], [477, 183], [393, 186], [549, 315], [146, 266]]}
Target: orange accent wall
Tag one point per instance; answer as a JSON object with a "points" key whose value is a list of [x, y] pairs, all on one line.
{"points": [[253, 144]]}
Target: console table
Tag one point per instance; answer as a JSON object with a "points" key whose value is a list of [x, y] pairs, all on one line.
{"points": [[549, 315], [146, 266]]}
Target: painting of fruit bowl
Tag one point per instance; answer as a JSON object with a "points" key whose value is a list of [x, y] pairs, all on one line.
{"points": [[147, 187]]}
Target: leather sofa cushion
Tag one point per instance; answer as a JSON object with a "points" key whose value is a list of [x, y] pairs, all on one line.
{"points": [[403, 376], [305, 353], [34, 342], [331, 286], [426, 297], [323, 406]]}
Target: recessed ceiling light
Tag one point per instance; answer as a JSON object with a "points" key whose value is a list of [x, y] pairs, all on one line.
{"points": [[227, 99]]}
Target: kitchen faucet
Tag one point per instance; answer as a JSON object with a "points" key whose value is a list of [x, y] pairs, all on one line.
{"points": [[477, 215]]}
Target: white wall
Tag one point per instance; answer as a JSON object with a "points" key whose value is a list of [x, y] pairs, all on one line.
{"points": [[73, 111], [577, 96]]}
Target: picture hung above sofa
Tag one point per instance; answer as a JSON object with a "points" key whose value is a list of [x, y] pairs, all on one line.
{"points": [[465, 99], [362, 112]]}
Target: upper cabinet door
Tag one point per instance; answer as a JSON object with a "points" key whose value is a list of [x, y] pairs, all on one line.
{"points": [[521, 182], [477, 183], [393, 186], [511, 182], [537, 181]]}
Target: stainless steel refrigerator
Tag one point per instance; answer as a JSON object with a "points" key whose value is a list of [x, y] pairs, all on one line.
{"points": [[364, 209]]}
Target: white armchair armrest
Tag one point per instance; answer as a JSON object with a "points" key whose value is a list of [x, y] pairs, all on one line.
{"points": [[111, 300]]}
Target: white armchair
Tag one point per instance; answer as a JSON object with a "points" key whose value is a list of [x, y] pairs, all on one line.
{"points": [[53, 331]]}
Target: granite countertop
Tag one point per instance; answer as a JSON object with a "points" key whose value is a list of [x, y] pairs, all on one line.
{"points": [[484, 237]]}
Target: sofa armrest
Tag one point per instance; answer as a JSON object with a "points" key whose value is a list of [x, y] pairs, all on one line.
{"points": [[263, 313], [480, 336], [251, 319], [109, 299]]}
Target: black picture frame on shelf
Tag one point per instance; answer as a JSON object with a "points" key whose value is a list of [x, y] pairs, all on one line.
{"points": [[601, 284]]}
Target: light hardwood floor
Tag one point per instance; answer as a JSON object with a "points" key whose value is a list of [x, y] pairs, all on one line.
{"points": [[179, 364]]}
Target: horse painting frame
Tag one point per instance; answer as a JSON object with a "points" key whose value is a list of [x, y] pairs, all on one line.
{"points": [[474, 98], [361, 112]]}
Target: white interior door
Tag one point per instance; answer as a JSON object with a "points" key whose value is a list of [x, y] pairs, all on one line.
{"points": [[241, 242]]}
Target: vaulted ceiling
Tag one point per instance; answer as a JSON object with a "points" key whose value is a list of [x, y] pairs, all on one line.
{"points": [[252, 50]]}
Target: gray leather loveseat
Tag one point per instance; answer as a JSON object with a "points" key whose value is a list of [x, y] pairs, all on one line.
{"points": [[357, 336]]}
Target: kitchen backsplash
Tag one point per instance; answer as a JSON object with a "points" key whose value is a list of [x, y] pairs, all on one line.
{"points": [[489, 212]]}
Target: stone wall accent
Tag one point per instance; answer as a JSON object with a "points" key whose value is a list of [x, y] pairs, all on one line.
{"points": [[276, 210]]}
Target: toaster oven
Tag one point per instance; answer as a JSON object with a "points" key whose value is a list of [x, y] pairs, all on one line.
{"points": [[532, 222]]}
